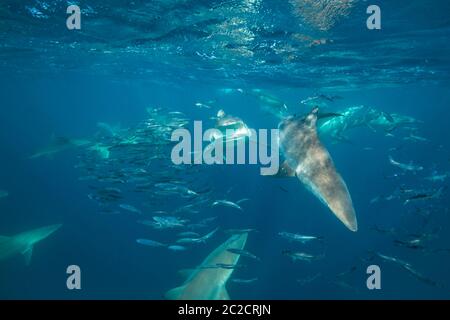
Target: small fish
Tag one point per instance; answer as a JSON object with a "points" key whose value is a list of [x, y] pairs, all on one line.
{"points": [[392, 259], [374, 200], [130, 208], [415, 244], [188, 234], [421, 196], [346, 273], [406, 167], [207, 220], [189, 240], [202, 105], [298, 237], [421, 277], [437, 177], [164, 222], [395, 175], [308, 279], [413, 137], [390, 231], [244, 281], [239, 231], [301, 256], [227, 203], [176, 248], [189, 208], [408, 267], [345, 285], [194, 226], [226, 266], [159, 212], [198, 240], [150, 243], [243, 253]]}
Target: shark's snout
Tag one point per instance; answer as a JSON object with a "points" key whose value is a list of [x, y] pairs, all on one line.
{"points": [[352, 224], [344, 211]]}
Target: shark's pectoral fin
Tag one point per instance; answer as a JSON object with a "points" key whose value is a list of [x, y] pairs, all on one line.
{"points": [[222, 294], [285, 171], [175, 293], [388, 117], [27, 255]]}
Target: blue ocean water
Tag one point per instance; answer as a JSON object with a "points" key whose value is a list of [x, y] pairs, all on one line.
{"points": [[184, 61]]}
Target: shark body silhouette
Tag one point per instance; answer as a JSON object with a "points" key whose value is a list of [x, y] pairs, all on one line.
{"points": [[310, 161], [23, 243], [207, 281]]}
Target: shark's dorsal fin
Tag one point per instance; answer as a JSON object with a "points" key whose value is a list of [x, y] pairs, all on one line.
{"points": [[388, 117], [242, 200], [186, 273], [175, 293], [327, 115], [27, 255], [311, 119]]}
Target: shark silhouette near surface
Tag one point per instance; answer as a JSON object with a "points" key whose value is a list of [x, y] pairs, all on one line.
{"points": [[57, 145], [361, 116], [24, 242], [207, 281], [310, 161]]}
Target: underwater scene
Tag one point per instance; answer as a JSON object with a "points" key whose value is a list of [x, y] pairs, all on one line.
{"points": [[224, 149]]}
